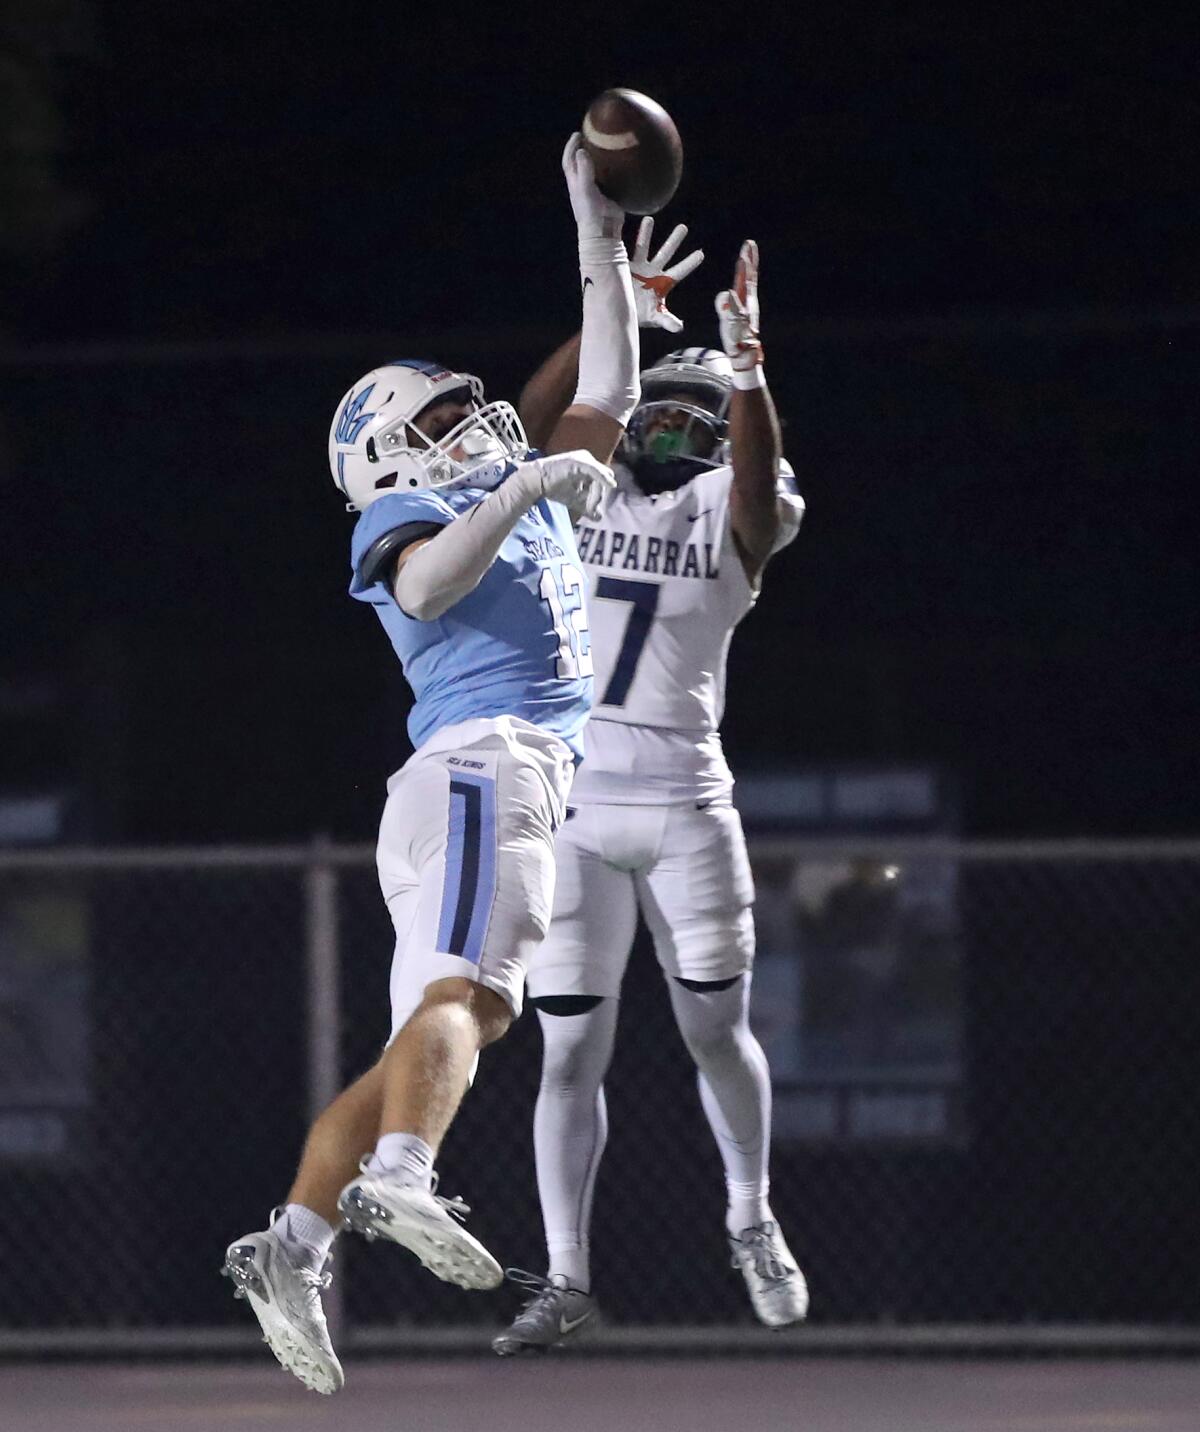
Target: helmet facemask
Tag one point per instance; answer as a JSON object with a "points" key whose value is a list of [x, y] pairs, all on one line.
{"points": [[490, 433], [680, 427], [670, 440]]}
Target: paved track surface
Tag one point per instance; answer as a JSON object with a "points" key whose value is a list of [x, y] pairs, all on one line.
{"points": [[551, 1394]]}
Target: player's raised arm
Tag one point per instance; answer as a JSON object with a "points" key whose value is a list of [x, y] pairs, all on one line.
{"points": [[547, 395], [607, 388], [755, 445]]}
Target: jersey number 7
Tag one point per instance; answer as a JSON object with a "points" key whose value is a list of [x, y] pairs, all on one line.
{"points": [[643, 598]]}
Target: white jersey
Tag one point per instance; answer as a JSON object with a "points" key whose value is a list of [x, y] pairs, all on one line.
{"points": [[667, 589]]}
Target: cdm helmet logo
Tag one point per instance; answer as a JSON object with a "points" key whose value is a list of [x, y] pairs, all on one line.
{"points": [[352, 419]]}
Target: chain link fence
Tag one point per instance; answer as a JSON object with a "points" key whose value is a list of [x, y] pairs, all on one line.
{"points": [[984, 1069]]}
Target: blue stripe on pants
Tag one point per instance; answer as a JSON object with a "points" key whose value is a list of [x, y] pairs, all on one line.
{"points": [[470, 884]]}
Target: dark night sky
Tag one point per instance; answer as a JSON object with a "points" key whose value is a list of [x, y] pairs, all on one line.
{"points": [[998, 571], [264, 178]]}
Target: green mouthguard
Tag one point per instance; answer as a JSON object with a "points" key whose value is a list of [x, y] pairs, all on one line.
{"points": [[668, 444]]}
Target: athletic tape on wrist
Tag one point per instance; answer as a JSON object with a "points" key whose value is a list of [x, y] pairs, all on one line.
{"points": [[596, 250], [749, 378]]}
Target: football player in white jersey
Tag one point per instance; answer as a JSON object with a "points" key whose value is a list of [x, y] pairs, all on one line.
{"points": [[703, 500], [466, 552]]}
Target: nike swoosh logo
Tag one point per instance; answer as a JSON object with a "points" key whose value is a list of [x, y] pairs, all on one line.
{"points": [[568, 1325], [588, 280], [696, 516]]}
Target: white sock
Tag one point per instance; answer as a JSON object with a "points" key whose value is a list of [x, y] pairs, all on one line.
{"points": [[748, 1206], [570, 1128], [406, 1155], [735, 1092], [573, 1264], [305, 1235]]}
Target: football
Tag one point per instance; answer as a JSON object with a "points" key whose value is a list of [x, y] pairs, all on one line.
{"points": [[635, 148]]}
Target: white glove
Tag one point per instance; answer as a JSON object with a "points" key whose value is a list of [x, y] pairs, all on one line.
{"points": [[653, 281], [576, 479], [595, 216], [737, 309]]}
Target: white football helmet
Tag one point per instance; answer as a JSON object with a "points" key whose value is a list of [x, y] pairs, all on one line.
{"points": [[663, 456], [374, 450]]}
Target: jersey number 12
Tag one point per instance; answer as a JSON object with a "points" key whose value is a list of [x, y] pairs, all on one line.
{"points": [[574, 656]]}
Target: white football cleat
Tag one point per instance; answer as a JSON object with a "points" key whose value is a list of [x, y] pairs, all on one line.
{"points": [[382, 1205], [776, 1285], [286, 1300]]}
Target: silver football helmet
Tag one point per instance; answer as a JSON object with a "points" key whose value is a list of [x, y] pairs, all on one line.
{"points": [[374, 449], [681, 425]]}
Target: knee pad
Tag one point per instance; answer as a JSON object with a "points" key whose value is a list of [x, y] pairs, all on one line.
{"points": [[707, 986], [563, 1004]]}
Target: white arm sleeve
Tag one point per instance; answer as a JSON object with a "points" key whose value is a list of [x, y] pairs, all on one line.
{"points": [[608, 349], [451, 565]]}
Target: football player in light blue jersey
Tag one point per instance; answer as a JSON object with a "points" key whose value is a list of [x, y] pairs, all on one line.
{"points": [[465, 549], [502, 649]]}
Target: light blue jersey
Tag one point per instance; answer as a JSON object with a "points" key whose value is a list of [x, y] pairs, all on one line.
{"points": [[517, 645]]}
